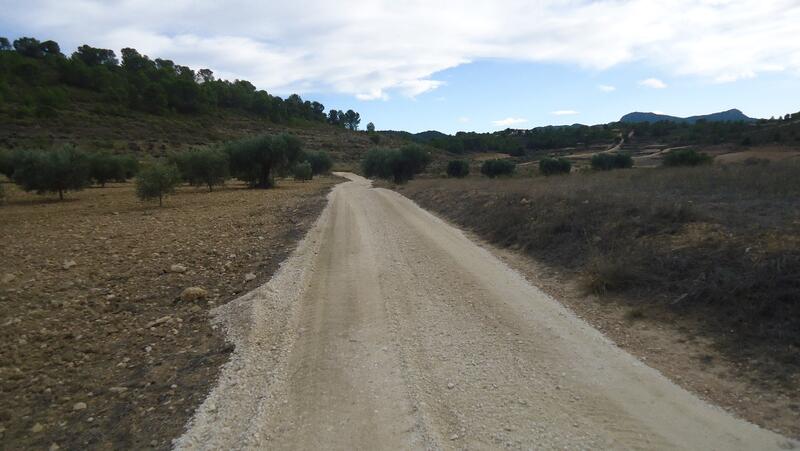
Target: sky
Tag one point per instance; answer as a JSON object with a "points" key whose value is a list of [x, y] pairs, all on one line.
{"points": [[461, 65]]}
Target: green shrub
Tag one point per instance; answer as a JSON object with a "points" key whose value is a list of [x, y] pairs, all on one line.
{"points": [[608, 161], [320, 161], [378, 163], [551, 166], [156, 181], [57, 171], [498, 168], [255, 160], [104, 167], [413, 160], [303, 171], [458, 168], [203, 167], [686, 157], [399, 165]]}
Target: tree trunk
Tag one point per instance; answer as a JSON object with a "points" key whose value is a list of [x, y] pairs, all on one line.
{"points": [[265, 176], [61, 194], [159, 199]]}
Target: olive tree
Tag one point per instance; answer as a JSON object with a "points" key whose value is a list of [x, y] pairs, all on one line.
{"points": [[104, 167], [320, 161], [399, 165], [256, 160], [6, 163], [203, 167], [157, 180], [57, 171], [302, 171]]}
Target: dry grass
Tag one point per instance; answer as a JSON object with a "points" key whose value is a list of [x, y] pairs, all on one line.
{"points": [[110, 331], [718, 242], [681, 262]]}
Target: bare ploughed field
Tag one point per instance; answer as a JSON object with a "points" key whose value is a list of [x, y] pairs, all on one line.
{"points": [[103, 354]]}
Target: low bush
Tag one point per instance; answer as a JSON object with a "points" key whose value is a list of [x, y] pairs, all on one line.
{"points": [[498, 168], [552, 166], [754, 161], [303, 171], [399, 165], [57, 171], [157, 180], [686, 157], [609, 161], [321, 162], [458, 169]]}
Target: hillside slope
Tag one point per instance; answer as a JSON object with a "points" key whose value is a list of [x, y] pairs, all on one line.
{"points": [[134, 103], [91, 125]]}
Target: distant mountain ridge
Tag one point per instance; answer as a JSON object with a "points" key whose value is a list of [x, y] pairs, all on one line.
{"points": [[733, 115]]}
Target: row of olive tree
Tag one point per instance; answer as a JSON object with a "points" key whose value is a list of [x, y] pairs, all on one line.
{"points": [[64, 169], [256, 160]]}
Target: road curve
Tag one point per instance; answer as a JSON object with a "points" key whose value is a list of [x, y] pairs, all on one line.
{"points": [[389, 329]]}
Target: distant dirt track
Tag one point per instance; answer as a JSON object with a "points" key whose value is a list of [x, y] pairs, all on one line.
{"points": [[389, 329]]}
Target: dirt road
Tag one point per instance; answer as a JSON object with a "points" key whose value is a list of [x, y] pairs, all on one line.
{"points": [[389, 329]]}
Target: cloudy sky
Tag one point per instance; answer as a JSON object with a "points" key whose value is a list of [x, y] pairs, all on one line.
{"points": [[462, 65]]}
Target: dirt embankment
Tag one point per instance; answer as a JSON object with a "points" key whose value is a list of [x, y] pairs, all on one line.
{"points": [[98, 349], [696, 270]]}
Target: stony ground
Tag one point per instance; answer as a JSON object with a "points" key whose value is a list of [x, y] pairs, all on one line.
{"points": [[99, 350]]}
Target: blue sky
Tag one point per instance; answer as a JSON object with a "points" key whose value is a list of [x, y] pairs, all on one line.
{"points": [[476, 94], [458, 64]]}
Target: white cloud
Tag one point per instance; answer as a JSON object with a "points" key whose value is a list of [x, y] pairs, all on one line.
{"points": [[607, 88], [377, 48], [654, 83], [463, 119], [509, 121], [564, 113]]}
